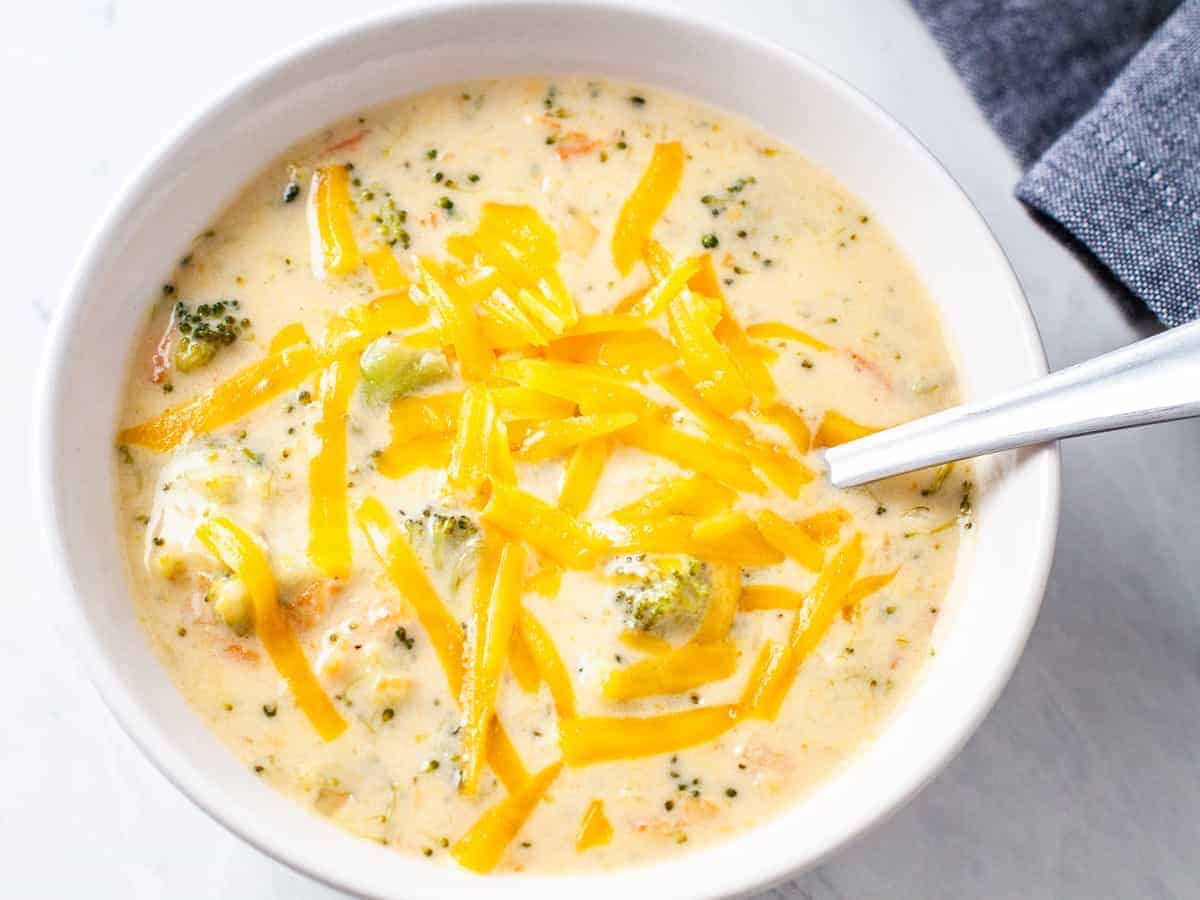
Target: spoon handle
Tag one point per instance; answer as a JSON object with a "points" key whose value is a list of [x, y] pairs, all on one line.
{"points": [[1154, 380]]}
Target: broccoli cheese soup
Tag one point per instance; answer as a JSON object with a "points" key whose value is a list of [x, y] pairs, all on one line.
{"points": [[470, 479]]}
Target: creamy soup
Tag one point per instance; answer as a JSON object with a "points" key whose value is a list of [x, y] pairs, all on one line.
{"points": [[470, 475]]}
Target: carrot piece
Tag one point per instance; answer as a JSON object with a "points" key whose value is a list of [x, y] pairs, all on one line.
{"points": [[680, 669], [473, 445], [791, 539], [764, 696], [694, 496], [428, 452], [550, 531], [458, 324], [239, 552], [646, 204], [705, 360], [594, 829], [227, 402], [732, 537], [770, 596], [696, 453], [557, 436], [549, 664], [726, 592], [495, 606], [837, 429], [768, 330], [582, 474], [585, 741], [328, 515], [385, 269], [522, 664], [334, 247], [408, 576], [482, 846]]}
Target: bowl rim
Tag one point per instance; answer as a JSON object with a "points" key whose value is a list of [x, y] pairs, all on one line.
{"points": [[139, 724]]}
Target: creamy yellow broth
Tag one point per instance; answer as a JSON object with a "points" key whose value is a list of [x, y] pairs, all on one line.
{"points": [[789, 246]]}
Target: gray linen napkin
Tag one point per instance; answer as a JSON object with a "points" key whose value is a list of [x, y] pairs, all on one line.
{"points": [[1100, 99]]}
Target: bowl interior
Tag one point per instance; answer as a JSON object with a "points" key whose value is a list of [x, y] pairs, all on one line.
{"points": [[998, 586]]}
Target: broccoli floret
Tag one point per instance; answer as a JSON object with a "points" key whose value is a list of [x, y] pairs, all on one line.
{"points": [[677, 594], [391, 370], [205, 330], [451, 539]]}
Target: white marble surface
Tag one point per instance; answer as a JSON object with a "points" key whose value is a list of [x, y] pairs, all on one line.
{"points": [[1082, 783]]}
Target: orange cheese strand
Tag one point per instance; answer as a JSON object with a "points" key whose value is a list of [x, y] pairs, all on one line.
{"points": [[725, 596], [594, 388], [646, 204], [594, 829], [665, 534], [825, 527], [547, 579], [552, 532], [678, 670], [780, 330], [791, 539], [698, 454], [732, 537], [226, 402], [430, 452], [334, 247], [502, 756], [766, 692], [636, 352], [473, 447], [645, 641], [770, 596], [604, 323], [408, 576], [496, 604], [706, 362], [788, 419], [240, 553], [661, 294], [864, 588], [748, 359], [522, 664], [582, 474], [557, 436], [482, 846], [328, 516], [459, 326], [600, 739], [385, 269], [694, 496], [549, 664], [356, 326], [835, 429]]}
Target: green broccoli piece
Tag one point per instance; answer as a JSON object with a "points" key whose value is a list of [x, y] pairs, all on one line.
{"points": [[205, 330], [673, 596], [391, 370], [452, 541]]}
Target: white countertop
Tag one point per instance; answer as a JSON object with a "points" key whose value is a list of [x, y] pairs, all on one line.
{"points": [[1082, 783]]}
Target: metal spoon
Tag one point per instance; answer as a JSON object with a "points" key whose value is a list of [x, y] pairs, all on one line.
{"points": [[1154, 380]]}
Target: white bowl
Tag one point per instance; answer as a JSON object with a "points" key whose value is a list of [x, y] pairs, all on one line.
{"points": [[999, 584]]}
